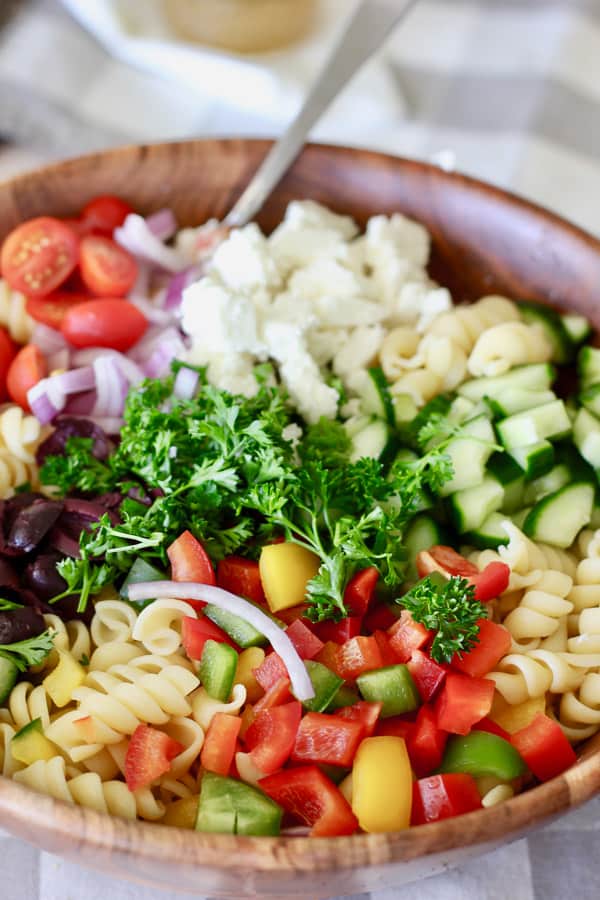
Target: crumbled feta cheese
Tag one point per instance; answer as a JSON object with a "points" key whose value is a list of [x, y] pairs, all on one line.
{"points": [[359, 350], [309, 214], [233, 373], [219, 320], [244, 262], [292, 433]]}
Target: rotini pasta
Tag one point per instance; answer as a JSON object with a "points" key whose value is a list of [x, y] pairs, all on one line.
{"points": [[506, 345], [113, 620], [464, 324], [20, 434], [14, 472], [13, 315], [205, 707], [158, 626]]}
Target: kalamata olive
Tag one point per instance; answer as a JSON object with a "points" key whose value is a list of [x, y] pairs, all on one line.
{"points": [[32, 523], [20, 624], [42, 577], [68, 427], [8, 574]]}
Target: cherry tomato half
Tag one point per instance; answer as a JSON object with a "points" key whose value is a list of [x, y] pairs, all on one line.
{"points": [[39, 255], [8, 351], [107, 270], [445, 560], [52, 309], [27, 368], [104, 213], [117, 324]]}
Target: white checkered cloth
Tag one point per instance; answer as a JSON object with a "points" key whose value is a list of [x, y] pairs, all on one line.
{"points": [[506, 90]]}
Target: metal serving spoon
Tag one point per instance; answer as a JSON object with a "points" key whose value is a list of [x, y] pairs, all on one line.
{"points": [[368, 27]]}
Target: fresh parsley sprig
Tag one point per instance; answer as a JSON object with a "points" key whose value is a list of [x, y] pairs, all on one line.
{"points": [[30, 652]]}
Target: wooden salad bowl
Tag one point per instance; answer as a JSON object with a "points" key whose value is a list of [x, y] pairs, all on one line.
{"points": [[485, 240]]}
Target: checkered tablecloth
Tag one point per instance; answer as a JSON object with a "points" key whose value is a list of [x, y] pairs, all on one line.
{"points": [[507, 90]]}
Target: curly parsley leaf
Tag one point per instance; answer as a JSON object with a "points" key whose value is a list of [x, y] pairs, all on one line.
{"points": [[30, 652]]}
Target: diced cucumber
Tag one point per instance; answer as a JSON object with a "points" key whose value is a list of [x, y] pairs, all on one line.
{"points": [[515, 400], [568, 454], [577, 327], [31, 744], [325, 683], [520, 516], [533, 425], [490, 534], [422, 533], [469, 452], [552, 324], [240, 631], [535, 460], [9, 673], [217, 669], [535, 377], [375, 396], [375, 441], [460, 410], [586, 437], [588, 366], [405, 408], [439, 406], [356, 423], [510, 475], [559, 517], [595, 519], [590, 398], [557, 477], [470, 507]]}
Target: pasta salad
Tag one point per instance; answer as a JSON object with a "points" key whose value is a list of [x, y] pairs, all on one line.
{"points": [[290, 543]]}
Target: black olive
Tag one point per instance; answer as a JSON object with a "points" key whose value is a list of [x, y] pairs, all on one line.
{"points": [[20, 624], [67, 427], [42, 577], [32, 523]]}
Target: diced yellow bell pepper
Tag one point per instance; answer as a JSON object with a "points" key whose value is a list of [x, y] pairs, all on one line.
{"points": [[30, 744], [513, 718], [64, 679], [345, 787], [248, 660], [285, 569], [182, 813], [382, 784]]}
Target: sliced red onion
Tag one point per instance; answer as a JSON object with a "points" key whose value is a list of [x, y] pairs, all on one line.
{"points": [[141, 288], [165, 352], [80, 404], [109, 424], [154, 312], [237, 606], [60, 359], [186, 382], [135, 235], [75, 381], [48, 339], [42, 404], [111, 387], [178, 284], [142, 350], [162, 224]]}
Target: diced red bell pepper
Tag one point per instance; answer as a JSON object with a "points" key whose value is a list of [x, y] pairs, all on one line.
{"points": [[196, 632], [487, 724], [341, 631], [364, 712], [307, 643], [490, 583], [247, 718], [394, 726], [148, 756], [218, 750], [190, 562], [426, 742], [544, 747], [442, 797], [329, 656], [272, 735], [311, 798], [287, 616], [380, 616], [271, 669], [241, 576], [407, 635], [278, 693], [426, 674], [360, 590], [327, 740], [494, 642], [388, 656], [462, 702], [359, 654]]}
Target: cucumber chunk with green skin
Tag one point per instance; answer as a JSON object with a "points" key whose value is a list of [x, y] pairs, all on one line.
{"points": [[586, 437], [554, 480], [217, 670], [577, 327], [590, 398], [535, 460], [393, 686], [469, 452], [588, 366], [520, 515], [470, 507], [490, 535], [240, 631], [553, 326], [326, 685], [421, 533], [481, 754], [512, 478], [9, 673], [376, 398], [515, 400], [535, 377], [559, 517], [548, 422], [375, 441], [229, 806]]}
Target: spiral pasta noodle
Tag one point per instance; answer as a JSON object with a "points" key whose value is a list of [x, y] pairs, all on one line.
{"points": [[20, 433], [28, 702], [506, 345], [13, 314], [114, 620], [540, 610], [14, 472], [158, 626], [464, 324]]}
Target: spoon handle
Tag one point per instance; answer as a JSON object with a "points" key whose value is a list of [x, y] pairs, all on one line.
{"points": [[368, 27]]}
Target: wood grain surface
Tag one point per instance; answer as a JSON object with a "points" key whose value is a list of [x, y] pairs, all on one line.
{"points": [[484, 240]]}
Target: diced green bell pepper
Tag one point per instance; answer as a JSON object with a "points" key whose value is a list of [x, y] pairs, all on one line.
{"points": [[326, 685], [479, 754], [345, 696], [393, 686], [140, 571], [217, 669], [228, 806], [240, 631]]}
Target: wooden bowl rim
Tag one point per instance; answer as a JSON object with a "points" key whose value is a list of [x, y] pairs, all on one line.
{"points": [[151, 841]]}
